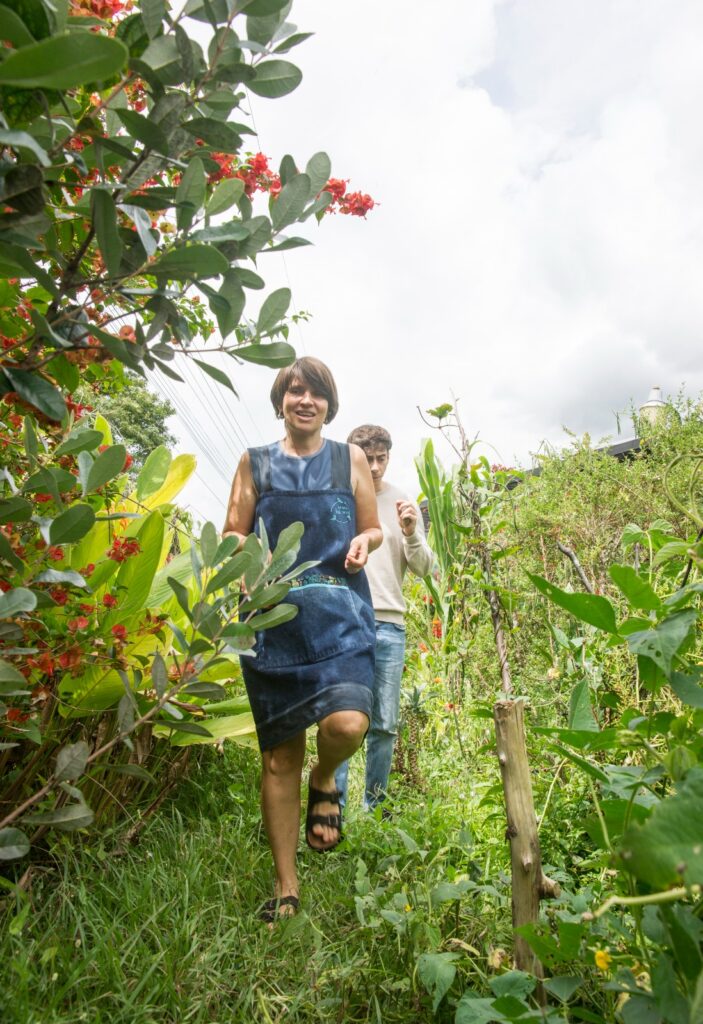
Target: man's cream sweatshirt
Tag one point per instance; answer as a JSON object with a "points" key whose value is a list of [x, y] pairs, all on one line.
{"points": [[387, 565]]}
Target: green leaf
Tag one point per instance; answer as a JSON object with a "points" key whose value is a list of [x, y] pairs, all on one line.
{"points": [[318, 170], [153, 472], [281, 613], [13, 844], [38, 392], [225, 194], [590, 608], [239, 728], [563, 987], [273, 310], [137, 573], [263, 8], [71, 761], [667, 848], [61, 576], [293, 40], [296, 242], [638, 591], [232, 570], [15, 601], [216, 374], [517, 984], [275, 78], [190, 194], [276, 354], [581, 714], [663, 642], [153, 13], [144, 130], [23, 140], [208, 544], [68, 818], [181, 593], [9, 674], [687, 689], [204, 690], [234, 231], [218, 134], [436, 971], [14, 29], [64, 62], [79, 441], [191, 262], [107, 466], [15, 510], [72, 524], [104, 214], [289, 205]]}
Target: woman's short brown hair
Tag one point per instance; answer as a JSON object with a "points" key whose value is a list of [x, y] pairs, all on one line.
{"points": [[312, 372]]}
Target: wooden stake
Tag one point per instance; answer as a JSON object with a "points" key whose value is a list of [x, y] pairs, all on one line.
{"points": [[530, 884]]}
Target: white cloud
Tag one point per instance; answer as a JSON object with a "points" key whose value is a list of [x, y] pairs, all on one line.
{"points": [[537, 246]]}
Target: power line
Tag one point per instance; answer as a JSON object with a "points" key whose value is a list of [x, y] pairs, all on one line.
{"points": [[229, 417]]}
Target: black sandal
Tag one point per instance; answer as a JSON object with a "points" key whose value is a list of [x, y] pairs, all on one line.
{"points": [[317, 796], [270, 911]]}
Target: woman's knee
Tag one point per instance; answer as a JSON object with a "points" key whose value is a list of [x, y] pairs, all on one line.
{"points": [[344, 726]]}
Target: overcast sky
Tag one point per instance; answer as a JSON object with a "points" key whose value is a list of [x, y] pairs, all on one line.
{"points": [[538, 243]]}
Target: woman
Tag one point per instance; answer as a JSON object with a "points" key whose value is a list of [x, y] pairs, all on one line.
{"points": [[319, 666]]}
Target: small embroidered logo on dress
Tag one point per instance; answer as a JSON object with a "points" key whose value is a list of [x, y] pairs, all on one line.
{"points": [[341, 513]]}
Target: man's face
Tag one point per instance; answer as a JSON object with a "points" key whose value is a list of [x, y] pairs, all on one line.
{"points": [[377, 458]]}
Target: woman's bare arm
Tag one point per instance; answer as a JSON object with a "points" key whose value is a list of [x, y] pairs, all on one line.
{"points": [[369, 535], [242, 502]]}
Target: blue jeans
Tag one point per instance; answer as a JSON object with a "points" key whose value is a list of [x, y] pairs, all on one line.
{"points": [[383, 731]]}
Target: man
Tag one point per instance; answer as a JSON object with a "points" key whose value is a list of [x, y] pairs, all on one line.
{"points": [[404, 547]]}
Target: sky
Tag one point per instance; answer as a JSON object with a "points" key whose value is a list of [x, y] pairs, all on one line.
{"points": [[537, 246]]}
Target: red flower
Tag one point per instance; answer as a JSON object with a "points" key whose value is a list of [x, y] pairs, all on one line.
{"points": [[119, 633], [437, 628], [337, 186], [259, 163], [87, 570], [357, 204], [41, 498], [45, 663], [71, 658], [55, 553], [109, 601], [128, 461], [59, 595], [79, 623], [15, 715], [87, 608], [123, 548], [5, 586]]}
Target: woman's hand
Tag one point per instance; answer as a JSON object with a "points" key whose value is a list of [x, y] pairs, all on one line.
{"points": [[358, 554]]}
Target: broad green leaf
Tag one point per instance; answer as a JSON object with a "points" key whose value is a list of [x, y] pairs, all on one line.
{"points": [[617, 814], [179, 472], [564, 986], [275, 78], [61, 576], [216, 374], [68, 818], [218, 134], [294, 40], [633, 534], [281, 613], [64, 62], [474, 1010], [9, 674], [201, 689], [79, 441], [239, 728], [208, 544], [190, 195], [15, 510], [71, 761], [103, 426], [72, 524], [272, 311], [182, 595], [154, 472], [288, 243], [667, 849], [144, 130], [687, 689], [663, 642], [289, 205], [673, 549], [234, 231], [263, 8], [581, 716], [107, 466], [13, 844], [23, 140], [590, 608], [318, 170], [36, 390], [153, 13], [437, 971], [638, 591], [287, 550], [513, 983], [137, 573], [13, 602], [191, 262], [105, 223], [225, 194], [275, 354], [264, 597], [232, 570], [14, 29]]}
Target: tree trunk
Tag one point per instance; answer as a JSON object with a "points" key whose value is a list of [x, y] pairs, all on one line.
{"points": [[530, 884]]}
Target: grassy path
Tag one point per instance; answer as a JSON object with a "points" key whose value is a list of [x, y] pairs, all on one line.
{"points": [[169, 933]]}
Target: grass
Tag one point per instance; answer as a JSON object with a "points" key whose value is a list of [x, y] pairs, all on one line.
{"points": [[168, 932]]}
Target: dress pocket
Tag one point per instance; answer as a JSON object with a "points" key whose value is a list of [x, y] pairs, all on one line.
{"points": [[330, 620]]}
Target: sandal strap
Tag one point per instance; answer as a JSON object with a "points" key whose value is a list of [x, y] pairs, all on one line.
{"points": [[318, 796], [333, 820], [269, 909]]}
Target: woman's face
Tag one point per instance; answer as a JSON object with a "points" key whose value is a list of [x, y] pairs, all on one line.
{"points": [[304, 410]]}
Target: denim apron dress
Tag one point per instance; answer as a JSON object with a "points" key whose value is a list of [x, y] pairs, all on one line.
{"points": [[322, 660]]}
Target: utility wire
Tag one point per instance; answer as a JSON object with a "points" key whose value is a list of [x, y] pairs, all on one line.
{"points": [[196, 433]]}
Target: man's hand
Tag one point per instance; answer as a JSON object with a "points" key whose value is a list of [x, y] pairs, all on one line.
{"points": [[358, 554], [407, 517]]}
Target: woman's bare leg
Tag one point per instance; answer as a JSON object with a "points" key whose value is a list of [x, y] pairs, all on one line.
{"points": [[338, 737], [280, 806]]}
